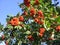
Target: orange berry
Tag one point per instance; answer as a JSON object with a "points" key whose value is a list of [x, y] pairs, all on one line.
{"points": [[30, 38], [25, 13], [21, 18], [40, 34], [40, 22], [58, 28], [36, 2], [41, 30], [21, 25], [32, 11], [3, 37], [6, 43], [38, 17], [50, 38], [36, 20], [27, 3], [40, 13], [14, 21]]}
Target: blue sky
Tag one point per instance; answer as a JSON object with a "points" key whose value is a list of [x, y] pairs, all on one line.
{"points": [[9, 7]]}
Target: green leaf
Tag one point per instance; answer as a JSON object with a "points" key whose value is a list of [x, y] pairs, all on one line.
{"points": [[32, 2], [47, 23], [1, 26], [9, 26], [18, 27], [58, 19]]}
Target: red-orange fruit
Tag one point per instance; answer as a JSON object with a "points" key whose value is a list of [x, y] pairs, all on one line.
{"points": [[36, 2], [14, 21], [40, 13], [21, 18], [40, 34], [50, 38], [40, 22], [27, 3], [32, 11], [21, 25], [36, 20], [30, 38], [6, 43], [58, 28], [41, 30], [3, 37], [25, 13]]}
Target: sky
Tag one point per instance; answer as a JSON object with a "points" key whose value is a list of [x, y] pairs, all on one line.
{"points": [[9, 7]]}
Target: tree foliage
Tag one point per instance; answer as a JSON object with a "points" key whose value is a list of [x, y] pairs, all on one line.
{"points": [[39, 22]]}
